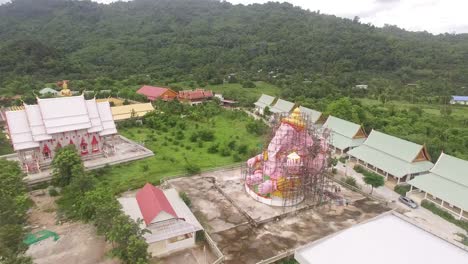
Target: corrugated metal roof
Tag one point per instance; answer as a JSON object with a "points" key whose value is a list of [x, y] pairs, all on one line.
{"points": [[282, 106], [185, 222], [93, 112], [20, 132], [341, 126], [449, 191], [394, 146], [64, 114], [152, 202], [393, 165], [341, 142], [452, 168], [266, 99], [125, 111], [48, 90], [448, 180], [57, 115], [314, 115], [459, 98], [33, 113], [107, 121]]}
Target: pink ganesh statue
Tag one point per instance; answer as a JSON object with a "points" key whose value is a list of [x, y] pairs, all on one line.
{"points": [[290, 154]]}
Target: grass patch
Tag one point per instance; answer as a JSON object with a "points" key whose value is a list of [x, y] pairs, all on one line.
{"points": [[5, 149], [444, 214], [170, 159]]}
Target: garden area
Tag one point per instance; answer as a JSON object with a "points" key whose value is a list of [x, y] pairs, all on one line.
{"points": [[185, 140]]}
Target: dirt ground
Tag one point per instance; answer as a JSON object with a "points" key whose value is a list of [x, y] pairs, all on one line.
{"points": [[78, 242], [241, 242], [197, 255]]}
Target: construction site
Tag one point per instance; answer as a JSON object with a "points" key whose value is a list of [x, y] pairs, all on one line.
{"points": [[281, 199]]}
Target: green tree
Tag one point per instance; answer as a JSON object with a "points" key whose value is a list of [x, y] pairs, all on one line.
{"points": [[66, 165], [14, 204], [373, 180]]}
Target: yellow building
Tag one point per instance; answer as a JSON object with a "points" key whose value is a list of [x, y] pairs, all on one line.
{"points": [[112, 100], [133, 110]]}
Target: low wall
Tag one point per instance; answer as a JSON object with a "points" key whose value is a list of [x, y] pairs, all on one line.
{"points": [[214, 248]]}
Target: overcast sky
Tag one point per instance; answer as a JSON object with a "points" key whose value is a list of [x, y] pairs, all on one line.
{"points": [[435, 16]]}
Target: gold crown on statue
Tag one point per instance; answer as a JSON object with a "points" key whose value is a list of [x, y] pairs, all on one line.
{"points": [[295, 119]]}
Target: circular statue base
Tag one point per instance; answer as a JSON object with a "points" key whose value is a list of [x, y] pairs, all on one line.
{"points": [[275, 201]]}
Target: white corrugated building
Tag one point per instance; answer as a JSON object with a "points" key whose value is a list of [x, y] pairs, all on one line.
{"points": [[171, 224], [387, 239], [38, 130]]}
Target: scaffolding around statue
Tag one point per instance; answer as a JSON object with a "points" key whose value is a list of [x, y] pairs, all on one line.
{"points": [[292, 167]]}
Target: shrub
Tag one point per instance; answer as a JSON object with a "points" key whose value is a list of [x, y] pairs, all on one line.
{"points": [[256, 127], [232, 144], [248, 84], [206, 135], [213, 148], [200, 236], [444, 214], [334, 170], [145, 167], [402, 189], [53, 192], [359, 169], [242, 149], [179, 135], [236, 157], [192, 169], [225, 151], [185, 198], [351, 181], [342, 159]]}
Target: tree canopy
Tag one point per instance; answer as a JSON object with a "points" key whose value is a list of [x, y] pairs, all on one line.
{"points": [[307, 53]]}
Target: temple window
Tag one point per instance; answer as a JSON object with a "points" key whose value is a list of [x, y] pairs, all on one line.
{"points": [[95, 144]]}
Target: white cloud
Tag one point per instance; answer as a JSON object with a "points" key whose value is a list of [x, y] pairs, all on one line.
{"points": [[435, 16]]}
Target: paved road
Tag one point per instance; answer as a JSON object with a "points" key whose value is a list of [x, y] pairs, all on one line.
{"points": [[422, 216]]}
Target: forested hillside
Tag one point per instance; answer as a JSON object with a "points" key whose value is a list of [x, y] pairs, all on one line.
{"points": [[306, 53]]}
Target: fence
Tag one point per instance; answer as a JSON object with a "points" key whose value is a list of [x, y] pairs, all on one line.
{"points": [[164, 180], [215, 249]]}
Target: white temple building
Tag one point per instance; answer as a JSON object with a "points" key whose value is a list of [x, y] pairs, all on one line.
{"points": [[38, 130]]}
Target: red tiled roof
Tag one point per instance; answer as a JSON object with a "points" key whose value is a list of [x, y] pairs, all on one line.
{"points": [[152, 92], [152, 202], [195, 95]]}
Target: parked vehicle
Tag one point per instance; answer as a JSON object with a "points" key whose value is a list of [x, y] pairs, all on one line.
{"points": [[408, 201]]}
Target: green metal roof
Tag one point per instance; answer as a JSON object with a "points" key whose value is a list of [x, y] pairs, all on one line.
{"points": [[341, 126], [386, 162], [282, 106], [393, 146], [264, 100], [448, 181], [341, 142], [314, 115], [451, 168], [48, 90], [449, 191]]}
